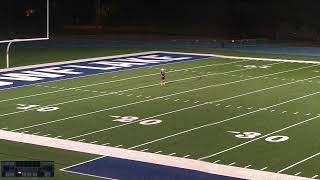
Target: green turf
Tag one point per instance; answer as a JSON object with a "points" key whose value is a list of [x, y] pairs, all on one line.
{"points": [[190, 125]]}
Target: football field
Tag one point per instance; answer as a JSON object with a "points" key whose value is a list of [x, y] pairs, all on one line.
{"points": [[255, 114]]}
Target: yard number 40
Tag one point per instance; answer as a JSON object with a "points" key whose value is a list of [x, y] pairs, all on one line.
{"points": [[38, 108]]}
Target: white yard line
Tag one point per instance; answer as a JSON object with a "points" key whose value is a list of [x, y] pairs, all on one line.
{"points": [[302, 161], [117, 92], [219, 122], [264, 136], [108, 82]]}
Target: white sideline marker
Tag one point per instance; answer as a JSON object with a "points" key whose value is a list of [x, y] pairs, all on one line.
{"points": [[46, 135], [315, 176], [57, 137], [158, 152], [232, 164], [118, 146], [186, 156], [297, 173], [217, 161], [105, 144], [143, 150], [36, 133], [81, 140], [93, 142], [247, 166], [172, 154], [262, 169]]}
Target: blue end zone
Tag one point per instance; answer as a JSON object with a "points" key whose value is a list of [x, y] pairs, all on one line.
{"points": [[115, 168], [31, 76]]}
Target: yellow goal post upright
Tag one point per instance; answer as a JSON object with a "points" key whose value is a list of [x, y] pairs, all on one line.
{"points": [[47, 37]]}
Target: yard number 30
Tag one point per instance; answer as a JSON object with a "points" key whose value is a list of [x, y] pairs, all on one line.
{"points": [[252, 135]]}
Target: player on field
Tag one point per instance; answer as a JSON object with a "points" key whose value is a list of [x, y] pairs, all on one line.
{"points": [[162, 77]]}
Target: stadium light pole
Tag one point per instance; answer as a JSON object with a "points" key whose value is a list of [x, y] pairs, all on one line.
{"points": [[26, 40]]}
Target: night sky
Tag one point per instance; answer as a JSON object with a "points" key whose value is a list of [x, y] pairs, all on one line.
{"points": [[227, 18]]}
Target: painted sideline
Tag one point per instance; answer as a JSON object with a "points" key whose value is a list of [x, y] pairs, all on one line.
{"points": [[144, 157], [247, 58]]}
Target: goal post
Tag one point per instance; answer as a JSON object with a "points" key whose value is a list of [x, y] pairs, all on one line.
{"points": [[46, 37]]}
